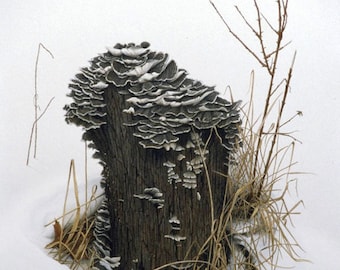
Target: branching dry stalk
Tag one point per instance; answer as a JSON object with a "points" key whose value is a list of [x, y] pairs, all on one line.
{"points": [[268, 60], [37, 117], [277, 126]]}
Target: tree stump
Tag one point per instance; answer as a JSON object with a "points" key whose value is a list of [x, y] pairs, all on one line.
{"points": [[164, 141]]}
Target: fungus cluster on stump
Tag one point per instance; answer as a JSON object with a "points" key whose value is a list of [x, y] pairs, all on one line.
{"points": [[154, 129]]}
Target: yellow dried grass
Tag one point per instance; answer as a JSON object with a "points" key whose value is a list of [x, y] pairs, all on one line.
{"points": [[71, 244]]}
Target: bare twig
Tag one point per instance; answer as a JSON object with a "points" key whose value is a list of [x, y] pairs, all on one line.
{"points": [[34, 132], [260, 38], [237, 37], [271, 70], [278, 123], [34, 125]]}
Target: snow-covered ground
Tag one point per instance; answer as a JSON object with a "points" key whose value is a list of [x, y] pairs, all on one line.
{"points": [[193, 35]]}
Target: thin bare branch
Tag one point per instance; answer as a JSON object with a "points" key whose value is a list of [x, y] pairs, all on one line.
{"points": [[257, 34], [298, 113], [261, 40], [36, 106], [280, 49], [278, 122], [34, 132], [272, 76], [237, 37], [268, 23], [34, 125]]}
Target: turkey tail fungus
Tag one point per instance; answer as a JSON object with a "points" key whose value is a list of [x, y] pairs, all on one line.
{"points": [[164, 141]]}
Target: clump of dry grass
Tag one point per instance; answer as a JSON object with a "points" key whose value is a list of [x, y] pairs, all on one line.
{"points": [[255, 222], [73, 230]]}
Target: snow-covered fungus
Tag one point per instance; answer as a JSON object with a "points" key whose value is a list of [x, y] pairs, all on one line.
{"points": [[189, 180], [175, 223], [163, 101], [176, 238], [102, 241], [174, 231], [173, 177], [152, 195], [88, 108], [107, 263]]}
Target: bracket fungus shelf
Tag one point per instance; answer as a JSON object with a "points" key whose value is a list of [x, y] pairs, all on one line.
{"points": [[153, 126]]}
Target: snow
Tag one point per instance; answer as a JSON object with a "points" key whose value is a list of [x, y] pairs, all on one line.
{"points": [[190, 31]]}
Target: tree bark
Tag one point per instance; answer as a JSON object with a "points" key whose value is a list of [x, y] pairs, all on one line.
{"points": [[139, 227]]}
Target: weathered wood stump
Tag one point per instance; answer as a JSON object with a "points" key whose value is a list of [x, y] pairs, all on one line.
{"points": [[156, 132]]}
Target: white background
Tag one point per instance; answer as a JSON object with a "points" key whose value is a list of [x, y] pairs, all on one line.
{"points": [[192, 33]]}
